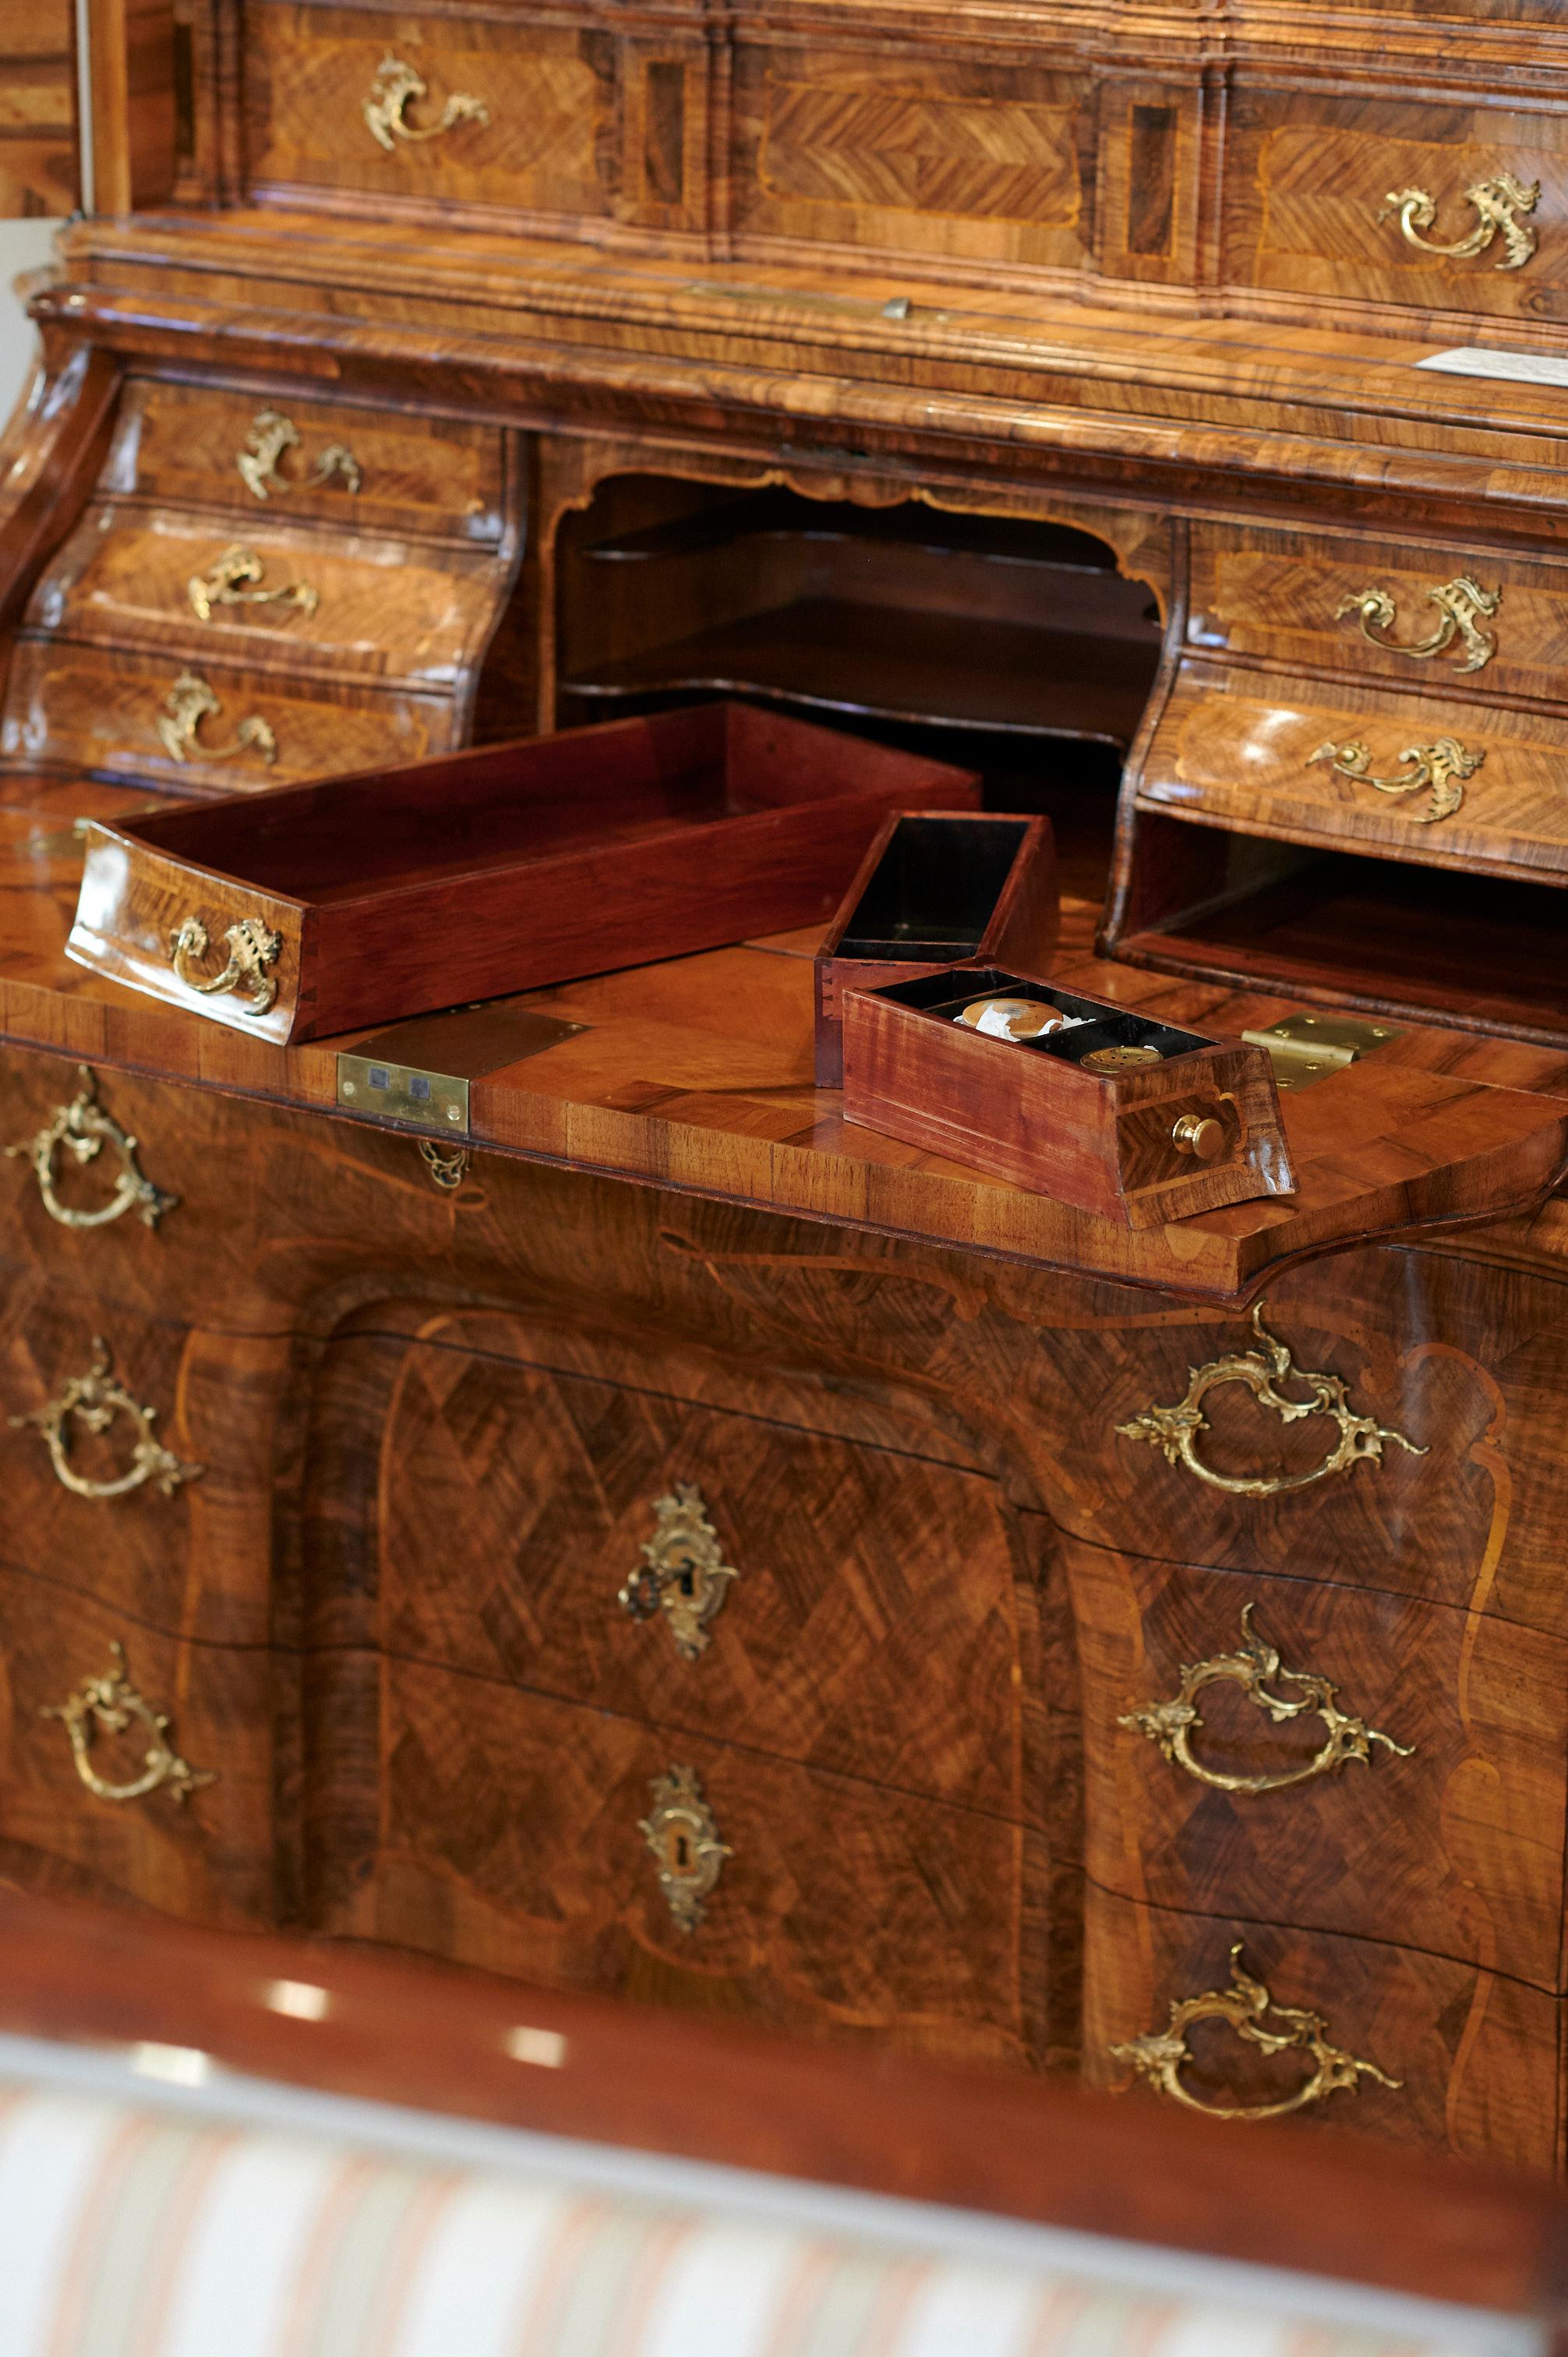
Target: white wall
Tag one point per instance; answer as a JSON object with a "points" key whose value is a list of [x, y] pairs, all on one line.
{"points": [[23, 244]]}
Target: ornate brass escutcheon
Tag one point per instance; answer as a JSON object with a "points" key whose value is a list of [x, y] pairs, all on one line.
{"points": [[1499, 202], [684, 1839], [81, 1130], [447, 1166], [235, 579], [1174, 1430], [1254, 1667], [270, 435], [111, 1705], [95, 1399], [252, 947], [1440, 772], [188, 703], [684, 1574], [1246, 2005], [397, 85], [1463, 604]]}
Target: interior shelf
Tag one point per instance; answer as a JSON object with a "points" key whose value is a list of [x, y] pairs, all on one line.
{"points": [[784, 515], [900, 663]]}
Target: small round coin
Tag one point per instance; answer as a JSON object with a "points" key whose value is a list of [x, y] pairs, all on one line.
{"points": [[1120, 1059]]}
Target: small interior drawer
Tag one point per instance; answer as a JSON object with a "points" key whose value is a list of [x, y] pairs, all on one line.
{"points": [[1452, 1842], [208, 1856], [1449, 785], [1494, 625], [1309, 177], [124, 715], [286, 456], [1475, 2052], [292, 596]]}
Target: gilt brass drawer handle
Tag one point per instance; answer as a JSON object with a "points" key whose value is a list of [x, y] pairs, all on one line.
{"points": [[233, 579], [395, 86], [110, 1705], [96, 1398], [1252, 1667], [1440, 772], [81, 1130], [1159, 2056], [1174, 1430], [252, 947], [684, 1574], [1498, 204], [684, 1839], [188, 703], [270, 435], [1463, 604]]}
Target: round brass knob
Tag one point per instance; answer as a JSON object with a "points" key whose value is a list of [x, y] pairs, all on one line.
{"points": [[1199, 1134]]}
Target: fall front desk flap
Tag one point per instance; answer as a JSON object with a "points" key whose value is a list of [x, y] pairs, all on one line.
{"points": [[322, 909]]}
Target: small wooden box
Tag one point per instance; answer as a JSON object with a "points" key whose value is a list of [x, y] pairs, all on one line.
{"points": [[938, 888], [1126, 1143], [395, 892]]}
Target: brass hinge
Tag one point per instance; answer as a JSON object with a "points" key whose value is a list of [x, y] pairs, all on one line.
{"points": [[1307, 1047]]}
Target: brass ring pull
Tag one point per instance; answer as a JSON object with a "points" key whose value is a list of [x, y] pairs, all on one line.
{"points": [[1253, 1667], [270, 435], [1440, 772], [111, 1703], [252, 947], [188, 703], [81, 1130], [1159, 2056], [396, 86], [1498, 204], [681, 1831], [97, 1398], [1174, 1430], [1463, 604], [684, 1574], [235, 579]]}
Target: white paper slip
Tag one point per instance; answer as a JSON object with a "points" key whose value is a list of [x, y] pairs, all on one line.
{"points": [[1519, 368]]}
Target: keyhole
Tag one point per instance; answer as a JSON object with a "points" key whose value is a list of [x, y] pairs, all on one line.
{"points": [[683, 1854], [687, 1578]]}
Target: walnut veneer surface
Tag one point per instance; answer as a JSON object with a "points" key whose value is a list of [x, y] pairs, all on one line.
{"points": [[1052, 377]]}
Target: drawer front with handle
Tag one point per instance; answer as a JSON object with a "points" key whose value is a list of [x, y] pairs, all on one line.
{"points": [[483, 113], [1250, 2020], [1354, 1761], [1426, 618], [187, 724], [1362, 769], [575, 1847], [135, 1765], [1461, 208], [851, 1608], [292, 458]]}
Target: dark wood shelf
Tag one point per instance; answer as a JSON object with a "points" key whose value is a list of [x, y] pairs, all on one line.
{"points": [[900, 663], [784, 515], [1368, 927]]}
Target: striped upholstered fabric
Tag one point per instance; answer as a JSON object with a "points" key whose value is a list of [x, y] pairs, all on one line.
{"points": [[134, 2231]]}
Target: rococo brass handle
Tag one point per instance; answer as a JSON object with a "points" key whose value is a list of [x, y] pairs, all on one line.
{"points": [[684, 1574], [396, 84], [111, 1703], [270, 435], [96, 1398], [1174, 1430], [1252, 1667], [188, 703], [681, 1831], [1440, 772], [1498, 204], [1159, 2056], [233, 579], [1463, 604], [82, 1129], [252, 947]]}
